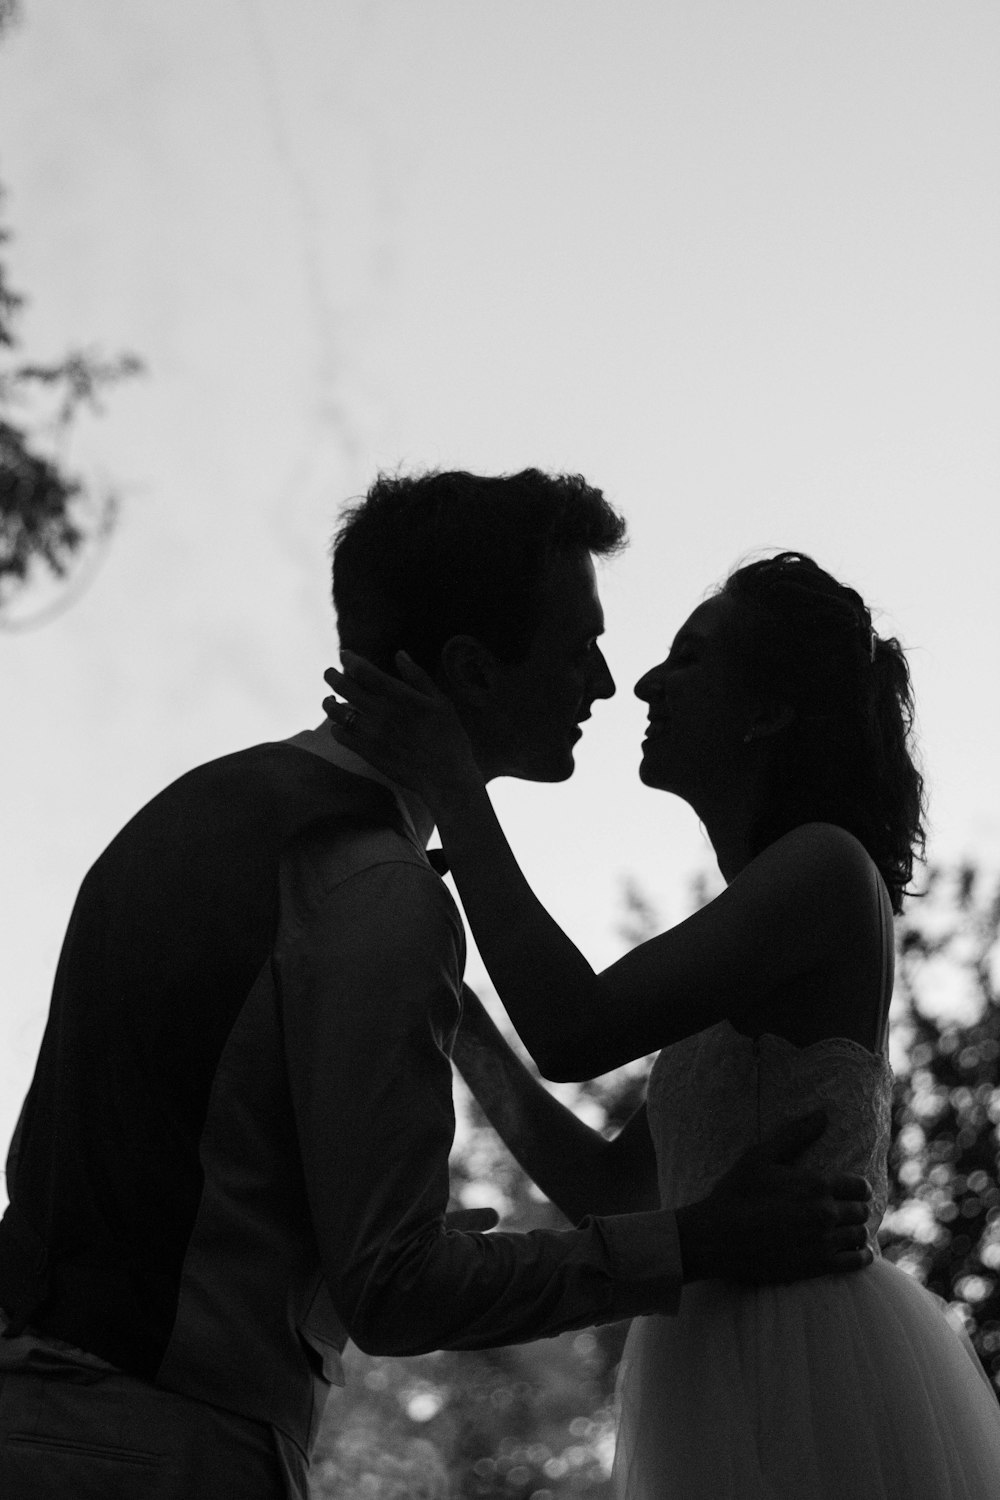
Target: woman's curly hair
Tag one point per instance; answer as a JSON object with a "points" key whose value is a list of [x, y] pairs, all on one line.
{"points": [[846, 758]]}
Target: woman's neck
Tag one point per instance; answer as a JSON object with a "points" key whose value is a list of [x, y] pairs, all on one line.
{"points": [[728, 824], [732, 853]]}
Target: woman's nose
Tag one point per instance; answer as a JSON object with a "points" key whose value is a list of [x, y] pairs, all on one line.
{"points": [[649, 685]]}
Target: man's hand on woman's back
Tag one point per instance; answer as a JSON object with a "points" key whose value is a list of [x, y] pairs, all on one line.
{"points": [[768, 1220]]}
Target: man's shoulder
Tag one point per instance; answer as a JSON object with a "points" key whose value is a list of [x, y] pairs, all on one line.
{"points": [[226, 822], [283, 768], [274, 785], [348, 852]]}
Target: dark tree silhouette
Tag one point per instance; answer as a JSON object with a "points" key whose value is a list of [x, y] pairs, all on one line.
{"points": [[47, 514]]}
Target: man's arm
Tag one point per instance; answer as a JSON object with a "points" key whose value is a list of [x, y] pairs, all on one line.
{"points": [[729, 1235], [581, 1171], [369, 981]]}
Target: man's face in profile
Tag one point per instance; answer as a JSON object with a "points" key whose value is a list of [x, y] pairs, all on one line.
{"points": [[540, 702]]}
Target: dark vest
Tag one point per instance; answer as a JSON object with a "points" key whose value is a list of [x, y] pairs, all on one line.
{"points": [[170, 929]]}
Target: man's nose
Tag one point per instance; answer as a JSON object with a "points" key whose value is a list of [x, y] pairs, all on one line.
{"points": [[603, 684]]}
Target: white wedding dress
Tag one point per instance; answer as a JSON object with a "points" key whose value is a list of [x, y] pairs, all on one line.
{"points": [[851, 1387]]}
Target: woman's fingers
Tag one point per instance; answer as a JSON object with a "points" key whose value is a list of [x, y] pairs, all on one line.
{"points": [[349, 688], [369, 704], [347, 726], [365, 671], [360, 677], [382, 685], [415, 675], [344, 715], [408, 729]]}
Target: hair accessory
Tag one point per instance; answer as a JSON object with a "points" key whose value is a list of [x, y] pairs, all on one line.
{"points": [[872, 638]]}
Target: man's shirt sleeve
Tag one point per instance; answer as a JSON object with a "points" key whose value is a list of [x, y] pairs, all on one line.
{"points": [[369, 980]]}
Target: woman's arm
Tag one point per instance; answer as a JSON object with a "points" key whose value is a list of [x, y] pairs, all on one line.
{"points": [[581, 1171], [781, 918]]}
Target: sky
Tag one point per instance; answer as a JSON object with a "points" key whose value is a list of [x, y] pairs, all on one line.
{"points": [[737, 261]]}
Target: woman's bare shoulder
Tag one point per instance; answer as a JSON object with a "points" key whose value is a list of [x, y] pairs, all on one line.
{"points": [[828, 912], [823, 850], [817, 870]]}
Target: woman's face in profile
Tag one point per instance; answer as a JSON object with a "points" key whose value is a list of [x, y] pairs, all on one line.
{"points": [[699, 705]]}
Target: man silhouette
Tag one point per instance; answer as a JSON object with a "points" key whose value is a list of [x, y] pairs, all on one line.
{"points": [[234, 1152]]}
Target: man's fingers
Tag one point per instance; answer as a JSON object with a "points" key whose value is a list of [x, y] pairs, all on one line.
{"points": [[844, 1185], [847, 1212], [791, 1139], [851, 1237], [476, 1219], [851, 1260]]}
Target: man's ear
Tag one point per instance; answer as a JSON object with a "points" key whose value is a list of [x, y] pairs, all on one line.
{"points": [[770, 720], [466, 671]]}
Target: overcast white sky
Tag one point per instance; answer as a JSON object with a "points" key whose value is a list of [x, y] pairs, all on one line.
{"points": [[737, 262]]}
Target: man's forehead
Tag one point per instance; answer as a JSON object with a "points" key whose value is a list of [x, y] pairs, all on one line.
{"points": [[569, 595]]}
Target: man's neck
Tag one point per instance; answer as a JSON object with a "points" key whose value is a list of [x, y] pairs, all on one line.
{"points": [[321, 742]]}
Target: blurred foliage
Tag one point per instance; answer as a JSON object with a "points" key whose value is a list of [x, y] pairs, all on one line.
{"points": [[48, 514], [535, 1422], [943, 1222]]}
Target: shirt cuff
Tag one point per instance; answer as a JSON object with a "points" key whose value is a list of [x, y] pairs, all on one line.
{"points": [[644, 1256]]}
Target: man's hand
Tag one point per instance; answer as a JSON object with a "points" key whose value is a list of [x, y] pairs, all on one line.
{"points": [[768, 1220], [472, 1219]]}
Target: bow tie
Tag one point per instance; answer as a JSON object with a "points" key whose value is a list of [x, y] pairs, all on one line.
{"points": [[438, 860]]}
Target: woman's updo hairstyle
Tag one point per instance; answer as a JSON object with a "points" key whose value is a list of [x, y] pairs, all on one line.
{"points": [[807, 641]]}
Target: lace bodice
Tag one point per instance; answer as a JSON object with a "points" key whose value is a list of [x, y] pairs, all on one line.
{"points": [[715, 1093]]}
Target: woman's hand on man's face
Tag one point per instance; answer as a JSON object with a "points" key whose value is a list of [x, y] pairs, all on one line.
{"points": [[405, 727]]}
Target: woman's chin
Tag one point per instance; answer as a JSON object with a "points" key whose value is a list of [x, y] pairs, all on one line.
{"points": [[648, 773]]}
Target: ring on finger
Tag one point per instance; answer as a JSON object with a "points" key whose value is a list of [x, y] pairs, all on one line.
{"points": [[350, 718]]}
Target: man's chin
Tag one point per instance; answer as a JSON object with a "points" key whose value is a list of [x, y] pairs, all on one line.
{"points": [[547, 775], [550, 769]]}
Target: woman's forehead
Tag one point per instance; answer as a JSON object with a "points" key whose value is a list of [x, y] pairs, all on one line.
{"points": [[706, 621]]}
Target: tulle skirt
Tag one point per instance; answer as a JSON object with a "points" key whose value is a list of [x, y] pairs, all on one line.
{"points": [[852, 1387]]}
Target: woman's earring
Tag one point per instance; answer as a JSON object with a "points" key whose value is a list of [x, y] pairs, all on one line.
{"points": [[748, 737]]}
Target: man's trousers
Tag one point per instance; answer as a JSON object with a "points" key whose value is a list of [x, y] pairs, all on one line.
{"points": [[95, 1435]]}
